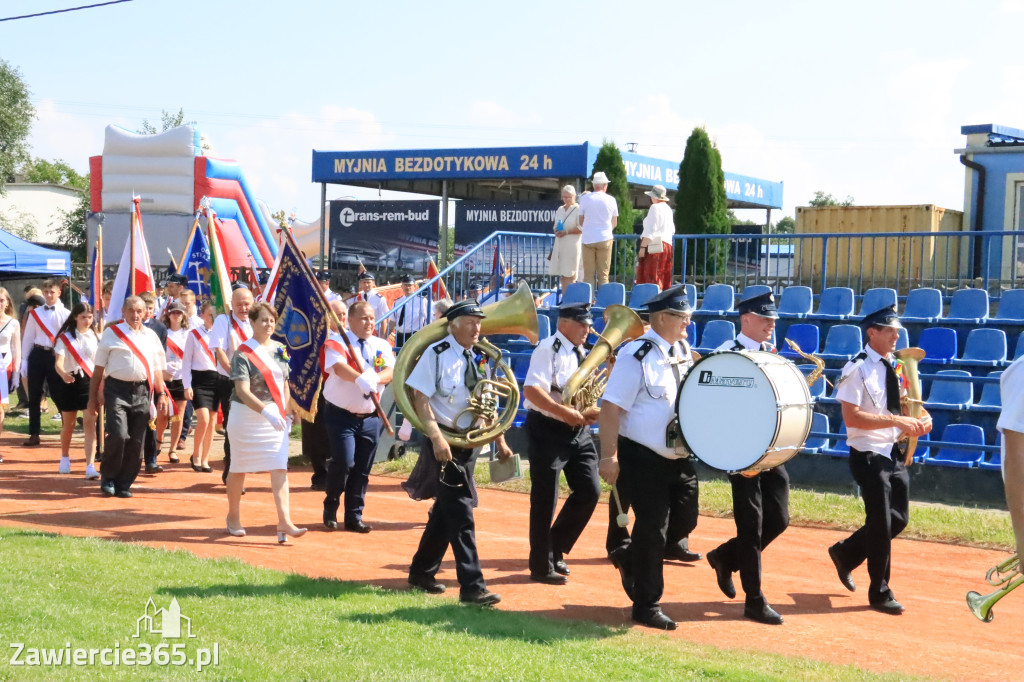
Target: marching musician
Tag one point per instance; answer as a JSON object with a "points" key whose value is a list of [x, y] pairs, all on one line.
{"points": [[228, 333], [367, 282], [559, 439], [350, 417], [871, 391], [760, 502], [37, 358], [442, 382], [639, 433]]}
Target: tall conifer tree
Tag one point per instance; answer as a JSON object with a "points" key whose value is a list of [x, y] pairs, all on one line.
{"points": [[701, 204]]}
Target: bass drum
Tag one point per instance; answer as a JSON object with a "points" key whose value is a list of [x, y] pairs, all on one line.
{"points": [[744, 411]]}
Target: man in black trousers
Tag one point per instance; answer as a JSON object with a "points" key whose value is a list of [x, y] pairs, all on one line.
{"points": [[37, 358], [559, 440]]}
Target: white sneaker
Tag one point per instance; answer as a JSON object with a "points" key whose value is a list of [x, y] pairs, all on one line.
{"points": [[91, 474], [65, 465]]}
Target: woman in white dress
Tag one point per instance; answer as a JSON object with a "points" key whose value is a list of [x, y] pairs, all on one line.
{"points": [[10, 353], [75, 351], [174, 318], [565, 256], [199, 378], [260, 420]]}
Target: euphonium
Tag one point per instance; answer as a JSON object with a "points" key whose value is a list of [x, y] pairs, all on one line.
{"points": [[1002, 576], [493, 402], [910, 357], [586, 385]]}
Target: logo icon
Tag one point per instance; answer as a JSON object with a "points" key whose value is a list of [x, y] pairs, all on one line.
{"points": [[708, 378], [347, 217], [294, 326], [164, 622]]}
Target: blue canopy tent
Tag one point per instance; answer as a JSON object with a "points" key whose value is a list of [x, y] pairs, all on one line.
{"points": [[20, 258]]}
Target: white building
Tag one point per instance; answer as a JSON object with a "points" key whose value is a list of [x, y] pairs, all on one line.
{"points": [[38, 205]]}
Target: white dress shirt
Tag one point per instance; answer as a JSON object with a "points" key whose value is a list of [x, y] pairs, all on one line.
{"points": [[86, 342], [346, 394], [862, 383], [550, 368], [53, 317], [223, 336], [174, 363], [413, 317], [196, 359], [120, 362], [747, 343], [659, 223], [440, 375]]}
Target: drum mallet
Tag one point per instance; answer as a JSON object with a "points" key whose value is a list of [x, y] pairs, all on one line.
{"points": [[622, 520]]}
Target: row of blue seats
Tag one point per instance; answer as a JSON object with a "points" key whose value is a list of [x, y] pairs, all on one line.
{"points": [[961, 446]]}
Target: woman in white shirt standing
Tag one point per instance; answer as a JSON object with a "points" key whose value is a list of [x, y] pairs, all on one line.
{"points": [[655, 264], [174, 317], [74, 353], [565, 256], [10, 352], [199, 380]]}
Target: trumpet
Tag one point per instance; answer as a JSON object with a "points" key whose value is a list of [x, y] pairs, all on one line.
{"points": [[1001, 576]]}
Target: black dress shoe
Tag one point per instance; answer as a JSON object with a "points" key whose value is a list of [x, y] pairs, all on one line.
{"points": [[655, 619], [209, 470], [426, 583], [677, 553], [318, 486], [330, 522], [549, 578], [32, 441], [195, 467], [762, 613], [154, 469], [621, 559], [561, 567], [841, 570], [723, 575], [123, 493], [107, 488], [890, 606], [357, 527], [482, 598]]}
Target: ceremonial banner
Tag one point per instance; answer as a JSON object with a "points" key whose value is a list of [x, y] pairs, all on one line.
{"points": [[220, 283], [195, 262], [133, 267], [302, 325]]}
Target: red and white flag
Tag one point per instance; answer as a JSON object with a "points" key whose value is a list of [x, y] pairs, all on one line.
{"points": [[144, 280]]}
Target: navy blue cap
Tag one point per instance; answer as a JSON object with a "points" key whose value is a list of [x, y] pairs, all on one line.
{"points": [[468, 306], [883, 317], [264, 277], [673, 299], [179, 279], [323, 276], [408, 279], [366, 275], [577, 312], [762, 305], [235, 286]]}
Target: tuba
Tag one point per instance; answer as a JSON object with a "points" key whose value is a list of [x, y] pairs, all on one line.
{"points": [[910, 357], [586, 385], [494, 402], [1007, 576]]}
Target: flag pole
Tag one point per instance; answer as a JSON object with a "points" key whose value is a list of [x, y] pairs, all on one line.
{"points": [[98, 325], [358, 360], [131, 246], [188, 242]]}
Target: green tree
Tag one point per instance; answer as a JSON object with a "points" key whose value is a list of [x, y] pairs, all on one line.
{"points": [[785, 226], [54, 173], [701, 203], [169, 120], [609, 160], [823, 199], [18, 223], [71, 232], [16, 116]]}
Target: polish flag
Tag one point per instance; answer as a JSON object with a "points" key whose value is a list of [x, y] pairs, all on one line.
{"points": [[144, 280]]}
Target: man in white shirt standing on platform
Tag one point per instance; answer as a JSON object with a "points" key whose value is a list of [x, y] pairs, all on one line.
{"points": [[412, 313], [131, 359], [599, 216], [379, 304], [38, 364], [324, 278], [228, 333]]}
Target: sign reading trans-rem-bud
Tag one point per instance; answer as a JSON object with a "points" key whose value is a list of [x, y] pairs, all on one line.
{"points": [[566, 161]]}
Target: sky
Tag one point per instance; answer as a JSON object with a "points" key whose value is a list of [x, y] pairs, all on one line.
{"points": [[863, 100]]}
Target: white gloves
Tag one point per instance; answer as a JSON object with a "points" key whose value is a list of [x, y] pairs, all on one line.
{"points": [[368, 381], [273, 415], [405, 433]]}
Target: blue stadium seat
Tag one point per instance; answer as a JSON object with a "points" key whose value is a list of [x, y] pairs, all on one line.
{"points": [[875, 299], [939, 345], [642, 293], [969, 305], [835, 303], [904, 340], [795, 302], [612, 293], [842, 343], [923, 306], [691, 294], [578, 292], [990, 400], [543, 326], [819, 424], [807, 336], [718, 300], [520, 365], [716, 332], [1011, 306], [951, 395], [1020, 346], [841, 447], [993, 461], [923, 448], [817, 389], [691, 333], [985, 348], [755, 290], [969, 434]]}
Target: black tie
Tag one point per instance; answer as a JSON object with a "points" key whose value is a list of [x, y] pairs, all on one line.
{"points": [[362, 351], [471, 374], [401, 315], [579, 355], [675, 366], [48, 307], [892, 388]]}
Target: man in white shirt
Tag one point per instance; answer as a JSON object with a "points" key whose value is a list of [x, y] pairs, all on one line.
{"points": [[350, 415], [871, 390], [131, 359], [655, 257], [599, 216], [38, 364], [379, 304], [324, 278], [412, 313], [228, 333]]}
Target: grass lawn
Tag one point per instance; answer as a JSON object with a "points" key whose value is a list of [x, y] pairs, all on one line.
{"points": [[18, 422], [63, 592]]}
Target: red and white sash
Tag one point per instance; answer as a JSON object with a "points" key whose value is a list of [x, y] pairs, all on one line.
{"points": [[204, 346], [122, 331], [46, 330], [273, 377], [175, 348], [78, 354], [242, 338]]}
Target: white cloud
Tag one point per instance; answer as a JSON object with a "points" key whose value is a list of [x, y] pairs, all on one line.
{"points": [[58, 134]]}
